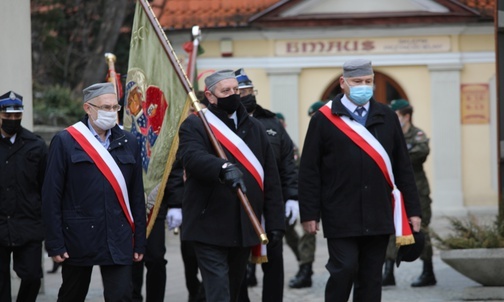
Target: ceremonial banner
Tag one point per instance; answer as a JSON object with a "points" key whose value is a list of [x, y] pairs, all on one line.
{"points": [[155, 106]]}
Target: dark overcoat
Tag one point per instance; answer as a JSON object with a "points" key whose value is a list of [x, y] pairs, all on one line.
{"points": [[211, 210], [283, 149], [343, 186], [82, 214], [22, 168]]}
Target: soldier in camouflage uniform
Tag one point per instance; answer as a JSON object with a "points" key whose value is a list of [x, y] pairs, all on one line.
{"points": [[418, 148]]}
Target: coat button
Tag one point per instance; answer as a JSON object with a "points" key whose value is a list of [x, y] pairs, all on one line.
{"points": [[125, 140], [119, 144]]}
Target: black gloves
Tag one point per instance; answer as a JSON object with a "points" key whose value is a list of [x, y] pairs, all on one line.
{"points": [[232, 176], [275, 237]]}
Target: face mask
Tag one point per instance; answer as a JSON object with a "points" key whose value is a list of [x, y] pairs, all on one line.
{"points": [[229, 103], [360, 94], [11, 127], [249, 102], [106, 119]]}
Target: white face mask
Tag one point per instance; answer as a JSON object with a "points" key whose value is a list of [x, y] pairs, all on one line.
{"points": [[106, 119]]}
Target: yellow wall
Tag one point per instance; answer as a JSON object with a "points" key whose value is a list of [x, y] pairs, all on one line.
{"points": [[476, 144], [470, 43]]}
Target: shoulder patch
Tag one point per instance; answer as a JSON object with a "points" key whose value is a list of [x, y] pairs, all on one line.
{"points": [[271, 132]]}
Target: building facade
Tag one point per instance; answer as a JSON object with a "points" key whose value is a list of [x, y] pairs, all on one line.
{"points": [[439, 55]]}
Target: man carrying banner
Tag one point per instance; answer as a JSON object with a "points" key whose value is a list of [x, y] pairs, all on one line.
{"points": [[214, 219], [354, 167], [93, 200]]}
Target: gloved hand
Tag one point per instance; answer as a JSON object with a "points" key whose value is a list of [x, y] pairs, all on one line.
{"points": [[232, 176], [275, 237], [174, 218], [292, 210]]}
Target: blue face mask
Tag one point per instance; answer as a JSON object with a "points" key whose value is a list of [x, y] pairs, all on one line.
{"points": [[360, 94]]}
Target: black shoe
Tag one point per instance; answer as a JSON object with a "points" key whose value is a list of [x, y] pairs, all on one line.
{"points": [[388, 278], [250, 277], [303, 277], [425, 279]]}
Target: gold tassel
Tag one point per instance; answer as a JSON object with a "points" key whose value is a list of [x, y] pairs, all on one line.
{"points": [[405, 240], [259, 259]]}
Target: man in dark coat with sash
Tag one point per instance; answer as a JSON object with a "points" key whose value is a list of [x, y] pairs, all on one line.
{"points": [[93, 200], [354, 167], [214, 219]]}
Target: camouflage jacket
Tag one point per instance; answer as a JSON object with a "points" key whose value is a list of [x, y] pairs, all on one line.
{"points": [[418, 149]]}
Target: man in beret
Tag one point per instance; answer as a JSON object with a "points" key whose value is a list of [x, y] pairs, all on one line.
{"points": [[23, 157], [283, 150], [214, 219], [344, 182], [417, 143], [93, 200]]}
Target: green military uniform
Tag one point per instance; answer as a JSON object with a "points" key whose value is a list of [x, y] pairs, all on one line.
{"points": [[418, 148]]}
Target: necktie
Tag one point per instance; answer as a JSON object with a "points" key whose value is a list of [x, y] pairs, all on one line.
{"points": [[360, 110]]}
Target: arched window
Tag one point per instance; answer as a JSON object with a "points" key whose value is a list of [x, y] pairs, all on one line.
{"points": [[386, 89]]}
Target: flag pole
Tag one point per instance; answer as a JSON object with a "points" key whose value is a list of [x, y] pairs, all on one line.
{"points": [[110, 58], [189, 89]]}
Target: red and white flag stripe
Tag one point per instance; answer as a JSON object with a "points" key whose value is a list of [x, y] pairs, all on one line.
{"points": [[367, 142], [105, 163], [234, 144]]}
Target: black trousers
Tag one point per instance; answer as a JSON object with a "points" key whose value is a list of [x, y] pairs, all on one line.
{"points": [[273, 276], [27, 265], [223, 270], [190, 267], [116, 282], [355, 261], [154, 261]]}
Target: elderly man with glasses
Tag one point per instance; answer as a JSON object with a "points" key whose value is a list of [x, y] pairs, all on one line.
{"points": [[93, 200]]}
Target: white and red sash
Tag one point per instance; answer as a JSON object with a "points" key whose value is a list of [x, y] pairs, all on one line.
{"points": [[372, 147], [105, 163], [239, 149]]}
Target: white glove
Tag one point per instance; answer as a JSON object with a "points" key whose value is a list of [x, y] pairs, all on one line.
{"points": [[174, 218], [292, 210]]}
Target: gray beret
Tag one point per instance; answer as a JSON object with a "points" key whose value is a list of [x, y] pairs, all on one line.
{"points": [[357, 68], [218, 76], [96, 90]]}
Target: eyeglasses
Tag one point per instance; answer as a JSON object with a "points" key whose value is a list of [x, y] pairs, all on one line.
{"points": [[107, 107]]}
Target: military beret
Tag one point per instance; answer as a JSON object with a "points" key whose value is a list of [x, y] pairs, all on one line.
{"points": [[314, 107], [243, 79], [96, 90], [357, 68], [411, 252], [218, 76], [11, 102], [280, 116], [399, 104]]}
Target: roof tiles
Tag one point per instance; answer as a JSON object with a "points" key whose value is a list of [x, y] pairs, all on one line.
{"points": [[179, 14]]}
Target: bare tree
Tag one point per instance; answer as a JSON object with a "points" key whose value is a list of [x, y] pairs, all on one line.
{"points": [[69, 38]]}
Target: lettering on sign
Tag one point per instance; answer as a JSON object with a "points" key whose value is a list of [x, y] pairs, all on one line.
{"points": [[362, 46], [475, 104]]}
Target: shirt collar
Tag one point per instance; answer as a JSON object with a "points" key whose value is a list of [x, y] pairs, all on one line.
{"points": [[12, 138], [234, 116], [351, 106], [107, 135]]}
